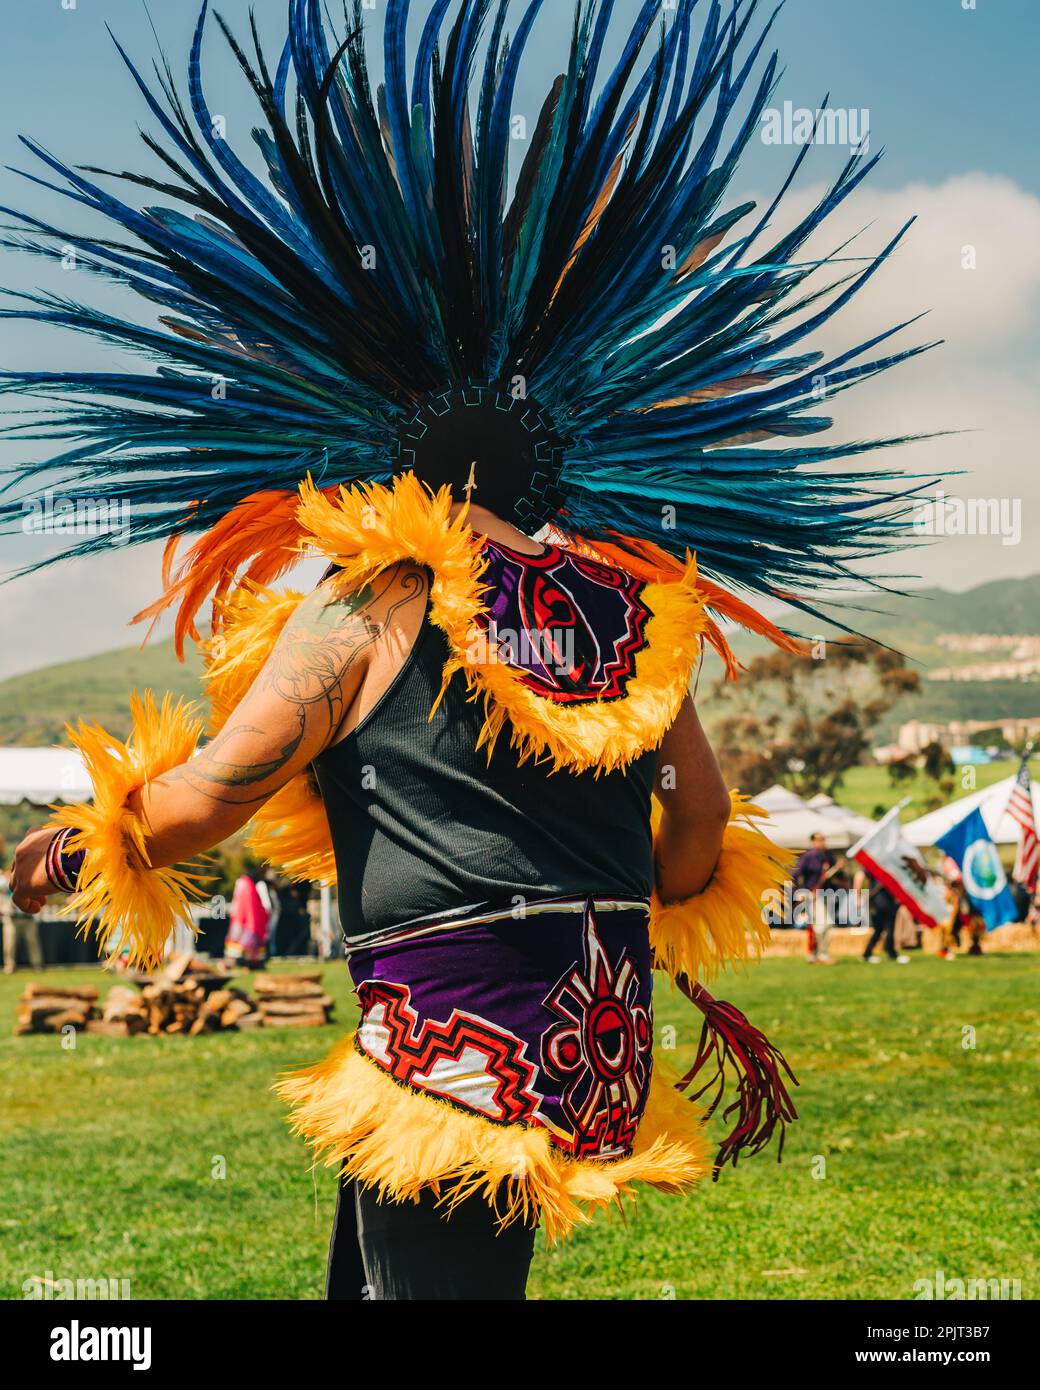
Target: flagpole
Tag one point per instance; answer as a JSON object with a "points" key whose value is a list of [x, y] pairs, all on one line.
{"points": [[899, 806]]}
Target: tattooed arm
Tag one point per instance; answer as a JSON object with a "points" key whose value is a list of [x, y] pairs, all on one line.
{"points": [[304, 697], [294, 710]]}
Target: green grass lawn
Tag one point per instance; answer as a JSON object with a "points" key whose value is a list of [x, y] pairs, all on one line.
{"points": [[913, 1153]]}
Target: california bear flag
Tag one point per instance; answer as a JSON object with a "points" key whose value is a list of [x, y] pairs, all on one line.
{"points": [[889, 857]]}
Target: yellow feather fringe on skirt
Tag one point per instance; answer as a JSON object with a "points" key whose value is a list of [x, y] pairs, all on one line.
{"points": [[726, 922], [384, 1135]]}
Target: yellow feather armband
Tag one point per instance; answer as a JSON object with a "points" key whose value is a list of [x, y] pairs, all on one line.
{"points": [[726, 921], [134, 906]]}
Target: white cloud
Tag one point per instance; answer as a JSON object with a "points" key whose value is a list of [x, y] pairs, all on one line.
{"points": [[976, 311], [981, 383]]}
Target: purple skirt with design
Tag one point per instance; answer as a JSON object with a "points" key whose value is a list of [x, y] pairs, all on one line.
{"points": [[538, 1016]]}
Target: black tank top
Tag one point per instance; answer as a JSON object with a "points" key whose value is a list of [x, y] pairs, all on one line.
{"points": [[423, 826]]}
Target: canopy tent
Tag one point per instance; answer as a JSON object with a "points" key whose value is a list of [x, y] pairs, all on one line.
{"points": [[991, 801], [792, 821], [844, 821], [42, 775]]}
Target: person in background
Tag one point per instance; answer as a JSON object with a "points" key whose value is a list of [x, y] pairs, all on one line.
{"points": [[267, 888], [247, 934], [815, 867], [883, 912], [908, 931], [18, 927], [1033, 915], [962, 918], [1023, 899], [294, 929]]}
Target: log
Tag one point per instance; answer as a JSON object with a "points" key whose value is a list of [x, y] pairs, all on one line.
{"points": [[294, 1020], [123, 1002], [54, 1023], [233, 1011], [158, 1012], [303, 1005], [48, 1018], [35, 990], [53, 1003], [109, 1027], [247, 1021], [288, 984], [176, 967], [188, 990]]}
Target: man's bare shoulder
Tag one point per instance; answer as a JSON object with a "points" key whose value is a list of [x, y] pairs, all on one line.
{"points": [[336, 606], [335, 630]]}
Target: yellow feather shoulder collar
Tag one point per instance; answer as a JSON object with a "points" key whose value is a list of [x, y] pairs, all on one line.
{"points": [[366, 529]]}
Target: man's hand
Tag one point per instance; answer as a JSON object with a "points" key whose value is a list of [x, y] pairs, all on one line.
{"points": [[29, 883]]}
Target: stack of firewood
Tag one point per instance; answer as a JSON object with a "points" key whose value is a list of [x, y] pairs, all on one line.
{"points": [[188, 995], [48, 1009], [192, 996], [293, 1001]]}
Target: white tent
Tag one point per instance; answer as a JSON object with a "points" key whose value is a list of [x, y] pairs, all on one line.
{"points": [[992, 802], [844, 821], [42, 775], [792, 821]]}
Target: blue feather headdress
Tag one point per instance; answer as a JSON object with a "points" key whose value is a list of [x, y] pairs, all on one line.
{"points": [[650, 342]]}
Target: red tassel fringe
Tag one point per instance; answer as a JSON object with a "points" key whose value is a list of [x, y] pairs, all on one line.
{"points": [[763, 1105]]}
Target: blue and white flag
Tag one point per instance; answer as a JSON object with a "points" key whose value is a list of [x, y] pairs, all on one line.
{"points": [[985, 882]]}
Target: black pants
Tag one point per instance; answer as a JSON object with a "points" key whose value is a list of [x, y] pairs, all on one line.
{"points": [[887, 929], [412, 1250]]}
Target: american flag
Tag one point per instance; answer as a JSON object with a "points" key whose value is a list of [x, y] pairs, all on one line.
{"points": [[1020, 809]]}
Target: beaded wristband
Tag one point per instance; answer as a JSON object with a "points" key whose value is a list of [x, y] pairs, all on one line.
{"points": [[63, 866]]}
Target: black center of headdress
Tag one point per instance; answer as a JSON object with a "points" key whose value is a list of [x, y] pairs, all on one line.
{"points": [[509, 446]]}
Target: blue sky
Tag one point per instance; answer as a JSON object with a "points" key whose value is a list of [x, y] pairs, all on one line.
{"points": [[949, 89], [951, 94]]}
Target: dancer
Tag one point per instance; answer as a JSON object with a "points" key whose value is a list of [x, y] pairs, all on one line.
{"points": [[814, 868], [506, 414]]}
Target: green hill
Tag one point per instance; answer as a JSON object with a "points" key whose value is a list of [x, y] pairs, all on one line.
{"points": [[914, 624], [35, 707]]}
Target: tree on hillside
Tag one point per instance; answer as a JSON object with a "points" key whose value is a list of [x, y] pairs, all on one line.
{"points": [[804, 720]]}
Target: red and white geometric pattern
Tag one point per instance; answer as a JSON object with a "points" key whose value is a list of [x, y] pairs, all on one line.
{"points": [[467, 1060], [601, 1050]]}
